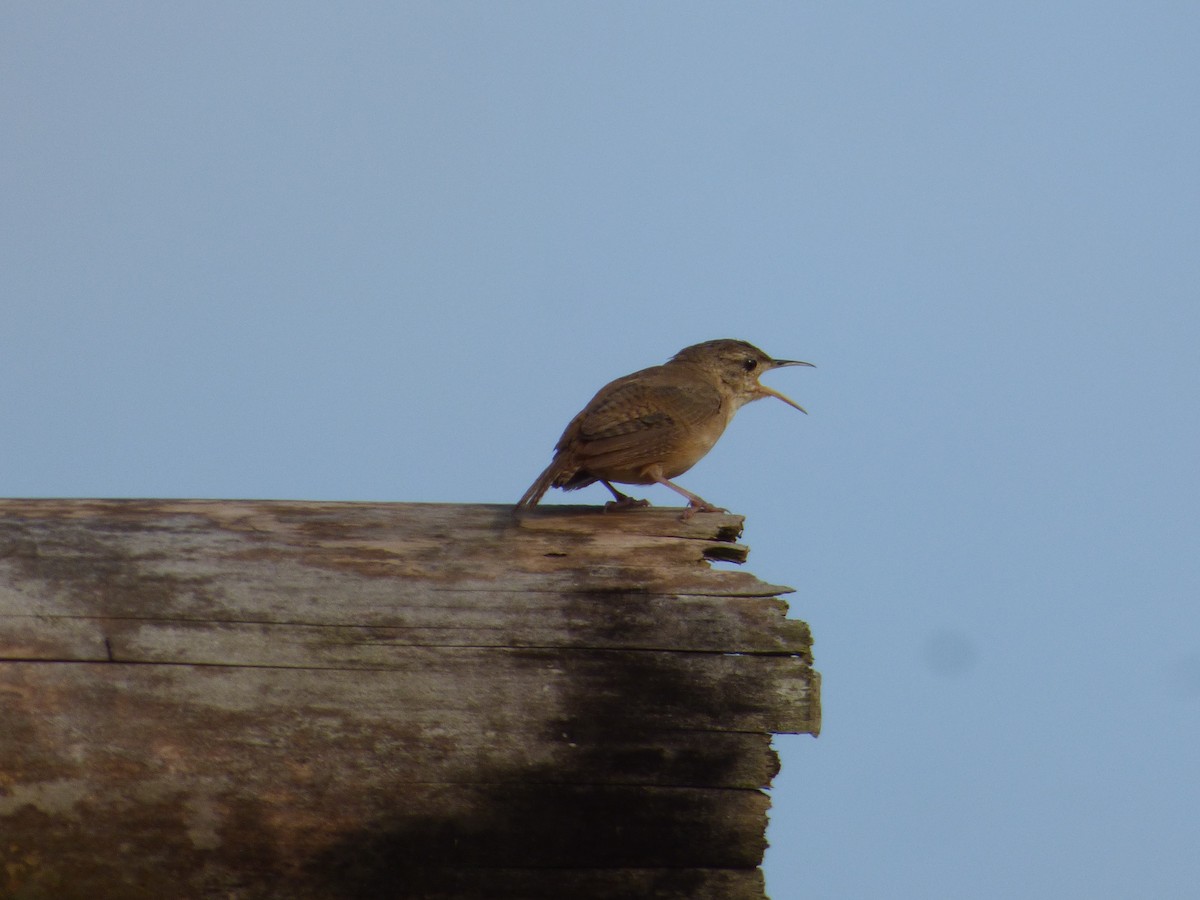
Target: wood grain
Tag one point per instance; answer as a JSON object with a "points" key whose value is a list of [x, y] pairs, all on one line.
{"points": [[245, 699]]}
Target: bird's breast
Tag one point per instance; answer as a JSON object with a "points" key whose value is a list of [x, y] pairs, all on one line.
{"points": [[692, 444]]}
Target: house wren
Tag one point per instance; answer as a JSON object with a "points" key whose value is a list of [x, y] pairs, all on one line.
{"points": [[654, 425]]}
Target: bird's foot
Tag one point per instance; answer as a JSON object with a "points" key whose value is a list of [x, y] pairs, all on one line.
{"points": [[621, 501], [624, 502], [698, 506]]}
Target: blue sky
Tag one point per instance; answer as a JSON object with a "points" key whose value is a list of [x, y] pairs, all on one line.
{"points": [[385, 251]]}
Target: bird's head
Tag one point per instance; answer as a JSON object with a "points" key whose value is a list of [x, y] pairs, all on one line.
{"points": [[738, 365]]}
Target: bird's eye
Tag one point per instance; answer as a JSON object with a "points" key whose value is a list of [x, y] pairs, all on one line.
{"points": [[750, 364]]}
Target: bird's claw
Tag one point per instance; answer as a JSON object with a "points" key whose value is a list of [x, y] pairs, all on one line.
{"points": [[625, 503], [702, 506]]}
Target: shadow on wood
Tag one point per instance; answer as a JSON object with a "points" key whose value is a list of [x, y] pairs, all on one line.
{"points": [[332, 700]]}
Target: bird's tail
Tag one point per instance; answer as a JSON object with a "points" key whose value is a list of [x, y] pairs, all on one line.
{"points": [[536, 490]]}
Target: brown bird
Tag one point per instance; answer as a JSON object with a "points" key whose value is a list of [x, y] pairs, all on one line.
{"points": [[654, 425]]}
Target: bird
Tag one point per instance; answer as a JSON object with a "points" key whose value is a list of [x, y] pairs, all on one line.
{"points": [[655, 424]]}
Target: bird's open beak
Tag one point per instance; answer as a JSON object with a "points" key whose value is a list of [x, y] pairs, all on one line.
{"points": [[771, 392]]}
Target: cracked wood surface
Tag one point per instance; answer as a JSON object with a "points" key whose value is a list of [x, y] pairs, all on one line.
{"points": [[260, 699]]}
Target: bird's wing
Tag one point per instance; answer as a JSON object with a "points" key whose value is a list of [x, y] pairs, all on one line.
{"points": [[637, 417]]}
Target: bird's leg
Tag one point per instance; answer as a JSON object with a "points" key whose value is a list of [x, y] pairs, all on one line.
{"points": [[695, 503], [621, 501]]}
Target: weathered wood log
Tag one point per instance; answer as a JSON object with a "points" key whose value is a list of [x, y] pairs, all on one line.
{"points": [[325, 700]]}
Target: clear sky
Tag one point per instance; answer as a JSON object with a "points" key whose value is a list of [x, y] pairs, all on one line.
{"points": [[384, 251]]}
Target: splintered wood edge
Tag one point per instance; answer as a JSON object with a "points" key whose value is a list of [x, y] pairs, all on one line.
{"points": [[720, 531]]}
